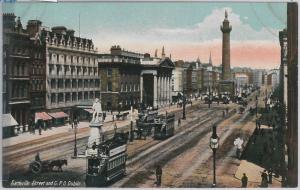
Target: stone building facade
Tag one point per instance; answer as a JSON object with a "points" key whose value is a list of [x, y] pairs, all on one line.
{"points": [[72, 76], [120, 78], [17, 49], [38, 69], [155, 80], [292, 58]]}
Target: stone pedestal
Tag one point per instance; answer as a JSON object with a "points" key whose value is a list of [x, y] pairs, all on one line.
{"points": [[95, 133]]}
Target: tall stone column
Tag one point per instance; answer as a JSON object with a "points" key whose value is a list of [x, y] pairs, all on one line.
{"points": [[141, 88], [226, 29], [154, 91]]}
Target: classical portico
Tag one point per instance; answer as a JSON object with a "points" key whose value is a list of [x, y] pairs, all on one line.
{"points": [[155, 82]]}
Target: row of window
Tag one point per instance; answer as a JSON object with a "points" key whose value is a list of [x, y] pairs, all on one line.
{"points": [[80, 83], [19, 90], [20, 69], [90, 71], [71, 58], [37, 101], [116, 162], [37, 85], [72, 97], [129, 87]]}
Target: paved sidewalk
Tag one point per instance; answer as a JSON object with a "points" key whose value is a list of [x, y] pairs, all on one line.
{"points": [[108, 126]]}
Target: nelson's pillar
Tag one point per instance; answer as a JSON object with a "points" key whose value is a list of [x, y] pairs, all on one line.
{"points": [[226, 85]]}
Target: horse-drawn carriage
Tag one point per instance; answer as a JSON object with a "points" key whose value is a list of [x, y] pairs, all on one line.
{"points": [[39, 166]]}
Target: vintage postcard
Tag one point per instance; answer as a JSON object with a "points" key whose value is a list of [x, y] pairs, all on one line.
{"points": [[149, 94]]}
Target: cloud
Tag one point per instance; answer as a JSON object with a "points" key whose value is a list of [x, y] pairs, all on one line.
{"points": [[209, 29], [249, 47]]}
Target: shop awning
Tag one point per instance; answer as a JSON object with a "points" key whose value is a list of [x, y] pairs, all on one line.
{"points": [[58, 115], [8, 120], [89, 110], [43, 116]]}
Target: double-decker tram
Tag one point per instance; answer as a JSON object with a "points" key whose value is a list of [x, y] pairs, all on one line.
{"points": [[106, 161], [164, 126]]}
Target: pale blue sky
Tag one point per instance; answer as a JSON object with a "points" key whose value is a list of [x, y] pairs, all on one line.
{"points": [[186, 29], [133, 16]]}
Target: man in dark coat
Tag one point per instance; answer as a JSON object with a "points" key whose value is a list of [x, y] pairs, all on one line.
{"points": [[244, 180], [158, 173]]}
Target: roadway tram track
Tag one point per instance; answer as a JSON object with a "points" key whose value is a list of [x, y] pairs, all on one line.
{"points": [[66, 150], [20, 150], [166, 150], [63, 154]]}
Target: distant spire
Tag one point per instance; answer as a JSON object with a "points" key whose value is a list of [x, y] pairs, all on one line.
{"points": [[226, 14], [155, 54], [163, 52], [170, 56], [210, 61], [198, 60]]}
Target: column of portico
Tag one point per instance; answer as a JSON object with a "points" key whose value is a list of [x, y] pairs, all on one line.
{"points": [[166, 94], [154, 91], [166, 91], [170, 78], [169, 91], [158, 90], [141, 88], [162, 91]]}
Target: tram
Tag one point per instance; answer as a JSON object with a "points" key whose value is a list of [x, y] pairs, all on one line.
{"points": [[106, 161], [164, 126]]}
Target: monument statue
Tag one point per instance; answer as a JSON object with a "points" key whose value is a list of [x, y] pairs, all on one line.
{"points": [[97, 110], [96, 124]]}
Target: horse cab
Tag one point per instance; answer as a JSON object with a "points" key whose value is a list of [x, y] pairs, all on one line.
{"points": [[106, 161], [164, 126]]}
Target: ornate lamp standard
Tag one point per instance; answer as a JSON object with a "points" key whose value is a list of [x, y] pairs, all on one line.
{"points": [[131, 121], [214, 143], [75, 133], [183, 107]]}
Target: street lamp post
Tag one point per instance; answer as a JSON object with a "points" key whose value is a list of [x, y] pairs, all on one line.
{"points": [[75, 140], [214, 143], [131, 125], [209, 97], [256, 101], [183, 108]]}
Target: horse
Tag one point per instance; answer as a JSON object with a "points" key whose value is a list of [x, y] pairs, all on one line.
{"points": [[58, 164]]}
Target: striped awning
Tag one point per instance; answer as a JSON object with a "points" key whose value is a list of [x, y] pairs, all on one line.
{"points": [[42, 116], [58, 115]]}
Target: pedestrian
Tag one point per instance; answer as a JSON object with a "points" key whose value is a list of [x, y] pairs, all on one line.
{"points": [[264, 179], [158, 174], [223, 114], [179, 122], [113, 117], [72, 124], [227, 110], [270, 174], [115, 128], [37, 157], [259, 124], [244, 180]]}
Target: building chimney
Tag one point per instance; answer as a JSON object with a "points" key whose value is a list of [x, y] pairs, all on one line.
{"points": [[33, 27]]}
